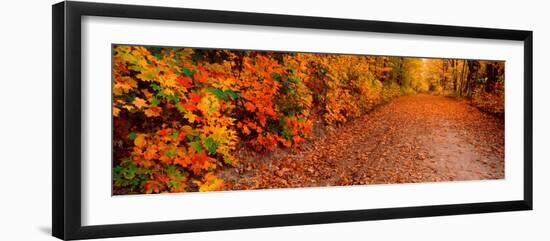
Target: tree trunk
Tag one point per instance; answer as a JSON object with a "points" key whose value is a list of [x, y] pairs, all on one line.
{"points": [[463, 75], [473, 67], [454, 75], [443, 70], [490, 70]]}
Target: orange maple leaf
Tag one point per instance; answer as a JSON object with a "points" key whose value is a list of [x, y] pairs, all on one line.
{"points": [[153, 111], [249, 106]]}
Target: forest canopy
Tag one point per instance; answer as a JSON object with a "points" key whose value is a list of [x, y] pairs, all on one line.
{"points": [[180, 114]]}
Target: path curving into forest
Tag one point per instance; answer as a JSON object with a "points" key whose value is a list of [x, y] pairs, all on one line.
{"points": [[418, 138]]}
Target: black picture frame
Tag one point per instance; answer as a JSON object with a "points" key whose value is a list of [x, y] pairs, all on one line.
{"points": [[66, 141]]}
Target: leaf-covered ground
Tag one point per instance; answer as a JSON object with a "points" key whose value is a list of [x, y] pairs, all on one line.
{"points": [[419, 138]]}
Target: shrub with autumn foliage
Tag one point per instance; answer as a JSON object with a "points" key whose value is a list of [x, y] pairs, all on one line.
{"points": [[171, 127], [179, 113], [492, 101]]}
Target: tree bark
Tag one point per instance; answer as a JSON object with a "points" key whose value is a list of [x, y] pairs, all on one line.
{"points": [[490, 70], [454, 75], [463, 75]]}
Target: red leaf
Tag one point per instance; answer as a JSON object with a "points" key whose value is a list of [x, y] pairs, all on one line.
{"points": [[190, 107], [195, 98], [201, 75], [163, 132], [185, 81]]}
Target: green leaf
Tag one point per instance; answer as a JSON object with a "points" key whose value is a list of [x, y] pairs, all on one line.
{"points": [[218, 93], [155, 87], [171, 169], [232, 94], [174, 135], [118, 168], [275, 76], [187, 72], [211, 145], [286, 134], [129, 172], [223, 95], [134, 182], [196, 145], [132, 136], [174, 98], [154, 101], [176, 176], [170, 153]]}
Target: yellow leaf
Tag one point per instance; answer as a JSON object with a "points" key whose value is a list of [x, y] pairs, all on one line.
{"points": [[184, 130], [128, 107], [210, 183], [190, 116], [139, 103], [116, 111], [208, 104], [123, 84], [140, 141]]}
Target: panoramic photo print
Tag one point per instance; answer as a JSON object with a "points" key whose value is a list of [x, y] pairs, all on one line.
{"points": [[198, 120]]}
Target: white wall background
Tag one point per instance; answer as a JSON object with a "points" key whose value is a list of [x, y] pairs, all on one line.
{"points": [[25, 123]]}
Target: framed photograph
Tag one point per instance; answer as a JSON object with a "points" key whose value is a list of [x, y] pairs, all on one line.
{"points": [[169, 120]]}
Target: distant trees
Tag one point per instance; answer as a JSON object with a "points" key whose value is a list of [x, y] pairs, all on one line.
{"points": [[479, 80]]}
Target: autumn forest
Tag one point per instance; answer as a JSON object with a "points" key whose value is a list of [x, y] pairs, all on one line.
{"points": [[194, 119]]}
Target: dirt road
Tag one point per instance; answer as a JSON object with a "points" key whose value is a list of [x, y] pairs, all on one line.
{"points": [[420, 138]]}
